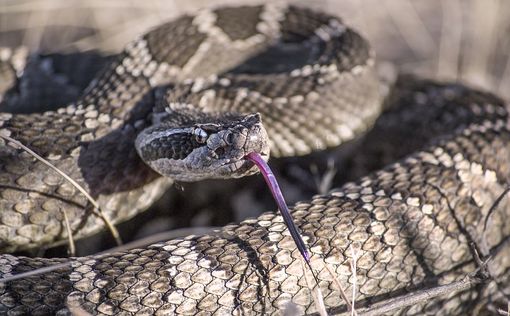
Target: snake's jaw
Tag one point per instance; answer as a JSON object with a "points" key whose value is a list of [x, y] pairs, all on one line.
{"points": [[204, 150]]}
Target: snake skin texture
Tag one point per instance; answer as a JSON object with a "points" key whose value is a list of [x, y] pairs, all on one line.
{"points": [[415, 224], [92, 140]]}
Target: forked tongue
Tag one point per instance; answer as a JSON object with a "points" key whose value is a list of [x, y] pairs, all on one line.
{"points": [[282, 206]]}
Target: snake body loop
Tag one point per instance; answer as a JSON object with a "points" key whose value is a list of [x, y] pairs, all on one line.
{"points": [[191, 98]]}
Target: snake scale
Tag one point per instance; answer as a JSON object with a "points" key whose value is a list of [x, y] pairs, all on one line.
{"points": [[415, 224]]}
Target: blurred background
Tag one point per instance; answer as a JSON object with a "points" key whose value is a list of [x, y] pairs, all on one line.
{"points": [[464, 40], [455, 40]]}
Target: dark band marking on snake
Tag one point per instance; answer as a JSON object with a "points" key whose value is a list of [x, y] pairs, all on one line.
{"points": [[412, 222]]}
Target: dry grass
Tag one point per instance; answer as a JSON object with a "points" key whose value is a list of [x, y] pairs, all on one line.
{"points": [[462, 40], [450, 39]]}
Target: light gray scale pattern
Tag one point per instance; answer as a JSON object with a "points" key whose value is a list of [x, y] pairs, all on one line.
{"points": [[412, 223]]}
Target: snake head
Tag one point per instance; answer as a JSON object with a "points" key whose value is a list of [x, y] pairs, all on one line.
{"points": [[214, 147]]}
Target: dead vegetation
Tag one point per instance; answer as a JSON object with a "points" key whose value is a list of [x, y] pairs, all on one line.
{"points": [[463, 40]]}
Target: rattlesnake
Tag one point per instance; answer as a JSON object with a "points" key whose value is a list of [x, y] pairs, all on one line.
{"points": [[415, 224]]}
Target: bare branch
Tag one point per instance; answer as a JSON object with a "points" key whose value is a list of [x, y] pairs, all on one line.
{"points": [[418, 297]]}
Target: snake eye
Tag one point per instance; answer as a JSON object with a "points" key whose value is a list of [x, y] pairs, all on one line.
{"points": [[200, 135]]}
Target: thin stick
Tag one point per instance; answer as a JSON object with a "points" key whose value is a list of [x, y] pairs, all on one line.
{"points": [[125, 247], [163, 236], [323, 183], [478, 276], [355, 278], [316, 292], [97, 209], [72, 247], [178, 233], [504, 82], [494, 206], [483, 25], [418, 297], [411, 26], [340, 289], [36, 272], [450, 40]]}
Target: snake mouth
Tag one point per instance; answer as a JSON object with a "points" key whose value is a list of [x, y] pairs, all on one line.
{"points": [[263, 155], [249, 166], [243, 167]]}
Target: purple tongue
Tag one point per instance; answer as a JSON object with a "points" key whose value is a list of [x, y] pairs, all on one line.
{"points": [[278, 196]]}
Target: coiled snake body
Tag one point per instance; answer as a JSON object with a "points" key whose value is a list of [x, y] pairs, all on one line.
{"points": [[415, 224]]}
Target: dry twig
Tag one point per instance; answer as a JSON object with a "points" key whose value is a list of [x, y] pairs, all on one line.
{"points": [[97, 209]]}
